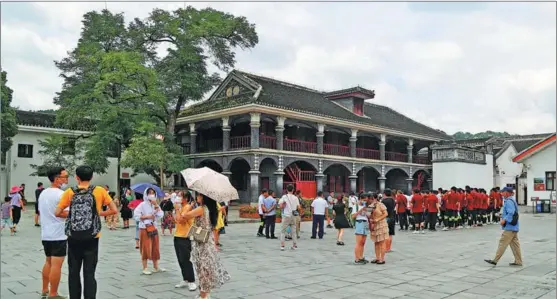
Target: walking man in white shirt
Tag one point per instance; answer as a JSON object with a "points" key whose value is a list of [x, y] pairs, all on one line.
{"points": [[53, 233], [319, 208], [289, 204]]}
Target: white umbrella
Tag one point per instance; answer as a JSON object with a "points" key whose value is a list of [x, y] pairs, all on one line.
{"points": [[211, 183]]}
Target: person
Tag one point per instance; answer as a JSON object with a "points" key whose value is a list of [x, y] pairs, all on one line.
{"points": [[510, 225], [401, 206], [379, 231], [7, 216], [37, 194], [299, 217], [289, 204], [113, 220], [18, 206], [319, 209], [22, 193], [331, 201], [341, 222], [147, 213], [125, 212], [83, 249], [211, 273], [182, 244], [352, 203], [390, 205], [432, 205], [219, 228], [53, 233], [417, 202], [167, 207], [264, 194], [270, 209], [361, 229], [132, 205]]}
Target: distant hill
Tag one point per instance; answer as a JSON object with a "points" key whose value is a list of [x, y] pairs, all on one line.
{"points": [[48, 111], [467, 135]]}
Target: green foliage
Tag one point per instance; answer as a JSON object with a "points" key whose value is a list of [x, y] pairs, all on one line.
{"points": [[8, 125], [467, 135], [58, 150]]}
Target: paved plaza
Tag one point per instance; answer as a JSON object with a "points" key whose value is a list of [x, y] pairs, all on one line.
{"points": [[434, 265]]}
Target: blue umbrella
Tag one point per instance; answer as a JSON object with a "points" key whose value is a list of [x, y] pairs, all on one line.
{"points": [[141, 187]]}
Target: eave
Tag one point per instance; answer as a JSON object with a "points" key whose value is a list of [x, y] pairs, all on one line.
{"points": [[534, 149]]}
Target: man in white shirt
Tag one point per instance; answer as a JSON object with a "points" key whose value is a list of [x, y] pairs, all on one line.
{"points": [[260, 203], [319, 208], [53, 233], [289, 204]]}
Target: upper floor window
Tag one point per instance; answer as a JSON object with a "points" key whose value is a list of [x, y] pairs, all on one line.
{"points": [[550, 180], [25, 150], [358, 107]]}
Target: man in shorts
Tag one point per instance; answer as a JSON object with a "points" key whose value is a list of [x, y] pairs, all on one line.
{"points": [[53, 233]]}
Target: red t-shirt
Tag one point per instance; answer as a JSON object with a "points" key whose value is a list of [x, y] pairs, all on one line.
{"points": [[432, 202], [444, 202], [469, 201], [485, 201], [452, 200], [417, 203], [461, 200], [402, 203], [498, 200], [475, 200]]}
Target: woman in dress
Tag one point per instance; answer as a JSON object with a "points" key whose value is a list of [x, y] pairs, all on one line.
{"points": [[379, 230], [210, 271], [126, 213], [113, 220], [167, 207], [341, 222], [147, 213], [16, 200]]}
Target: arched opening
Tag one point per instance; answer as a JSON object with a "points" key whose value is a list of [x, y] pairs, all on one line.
{"points": [[396, 179], [368, 180], [210, 164], [267, 179], [301, 174], [240, 178], [420, 180], [336, 179]]}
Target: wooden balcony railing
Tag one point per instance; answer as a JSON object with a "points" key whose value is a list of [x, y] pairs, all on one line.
{"points": [[240, 142], [392, 156], [209, 145], [367, 153], [336, 149], [268, 141], [300, 146], [420, 160], [185, 148]]}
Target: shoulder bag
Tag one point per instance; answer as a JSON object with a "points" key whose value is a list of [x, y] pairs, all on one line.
{"points": [[199, 234]]}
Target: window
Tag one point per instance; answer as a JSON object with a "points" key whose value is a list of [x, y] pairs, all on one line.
{"points": [[25, 150], [512, 186], [550, 180], [358, 107]]}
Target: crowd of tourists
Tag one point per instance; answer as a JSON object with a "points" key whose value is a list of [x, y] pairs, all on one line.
{"points": [[376, 214], [70, 220]]}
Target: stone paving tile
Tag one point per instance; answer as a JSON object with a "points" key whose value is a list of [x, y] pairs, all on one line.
{"points": [[434, 265]]}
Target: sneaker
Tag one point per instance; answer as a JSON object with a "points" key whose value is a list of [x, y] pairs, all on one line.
{"points": [[445, 229], [282, 248], [159, 270], [192, 287], [294, 247], [415, 232], [423, 231], [182, 284], [146, 272]]}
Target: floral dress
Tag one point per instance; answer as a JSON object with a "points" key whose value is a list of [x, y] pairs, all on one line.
{"points": [[210, 271], [380, 230]]}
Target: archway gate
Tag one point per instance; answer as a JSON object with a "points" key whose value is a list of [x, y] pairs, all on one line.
{"points": [[303, 180]]}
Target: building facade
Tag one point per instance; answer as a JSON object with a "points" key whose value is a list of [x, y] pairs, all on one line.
{"points": [[15, 166], [265, 133]]}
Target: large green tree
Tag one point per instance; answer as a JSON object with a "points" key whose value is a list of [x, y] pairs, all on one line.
{"points": [[8, 125]]}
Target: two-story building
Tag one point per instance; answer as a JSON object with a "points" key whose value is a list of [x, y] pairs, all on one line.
{"points": [[266, 133]]}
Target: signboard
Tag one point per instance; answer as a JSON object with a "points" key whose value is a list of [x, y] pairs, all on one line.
{"points": [[539, 184], [125, 175]]}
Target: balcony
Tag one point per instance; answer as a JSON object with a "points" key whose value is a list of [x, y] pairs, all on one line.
{"points": [[240, 142], [336, 150], [300, 146], [420, 160], [365, 153], [209, 145], [267, 141], [399, 157]]}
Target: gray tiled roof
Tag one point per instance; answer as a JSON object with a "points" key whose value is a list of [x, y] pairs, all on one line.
{"points": [[521, 145], [298, 98], [45, 120]]}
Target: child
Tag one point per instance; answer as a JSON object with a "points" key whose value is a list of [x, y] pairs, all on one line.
{"points": [[7, 216]]}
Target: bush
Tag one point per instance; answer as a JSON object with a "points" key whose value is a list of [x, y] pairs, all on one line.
{"points": [[247, 209]]}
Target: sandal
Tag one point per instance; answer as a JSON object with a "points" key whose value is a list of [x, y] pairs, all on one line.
{"points": [[339, 243], [380, 263], [342, 243], [374, 261]]}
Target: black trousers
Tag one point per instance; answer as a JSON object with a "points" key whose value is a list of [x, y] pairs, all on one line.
{"points": [[16, 213], [403, 220], [261, 224], [432, 219], [270, 222], [318, 220], [82, 253], [182, 247]]}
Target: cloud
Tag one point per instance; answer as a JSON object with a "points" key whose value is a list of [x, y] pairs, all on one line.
{"points": [[452, 66]]}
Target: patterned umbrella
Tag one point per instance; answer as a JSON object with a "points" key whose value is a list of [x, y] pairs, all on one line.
{"points": [[211, 183]]}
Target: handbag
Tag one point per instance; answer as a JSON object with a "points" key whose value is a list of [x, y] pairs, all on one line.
{"points": [[199, 234], [151, 230]]}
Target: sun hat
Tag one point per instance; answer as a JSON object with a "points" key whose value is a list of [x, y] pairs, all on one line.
{"points": [[15, 189]]}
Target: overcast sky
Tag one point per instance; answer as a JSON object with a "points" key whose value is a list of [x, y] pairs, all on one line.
{"points": [[453, 66]]}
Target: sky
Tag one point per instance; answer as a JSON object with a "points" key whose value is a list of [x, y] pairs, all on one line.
{"points": [[452, 66]]}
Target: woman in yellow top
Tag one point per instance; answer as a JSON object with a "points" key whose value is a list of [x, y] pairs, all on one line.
{"points": [[182, 244], [220, 224]]}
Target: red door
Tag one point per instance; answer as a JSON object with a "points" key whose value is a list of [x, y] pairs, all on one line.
{"points": [[265, 183]]}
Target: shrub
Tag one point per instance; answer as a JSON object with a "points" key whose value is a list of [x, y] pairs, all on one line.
{"points": [[247, 209]]}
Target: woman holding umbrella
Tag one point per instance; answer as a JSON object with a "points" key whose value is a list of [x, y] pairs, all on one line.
{"points": [[147, 213]]}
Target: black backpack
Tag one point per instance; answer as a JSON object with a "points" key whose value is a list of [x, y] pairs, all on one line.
{"points": [[514, 221], [83, 222]]}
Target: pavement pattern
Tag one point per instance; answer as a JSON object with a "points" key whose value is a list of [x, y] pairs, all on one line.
{"points": [[433, 265]]}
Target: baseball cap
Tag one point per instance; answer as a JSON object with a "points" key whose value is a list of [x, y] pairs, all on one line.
{"points": [[507, 189]]}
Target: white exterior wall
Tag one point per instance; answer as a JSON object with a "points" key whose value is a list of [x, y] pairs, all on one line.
{"points": [[537, 165], [18, 170], [508, 170], [460, 174]]}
